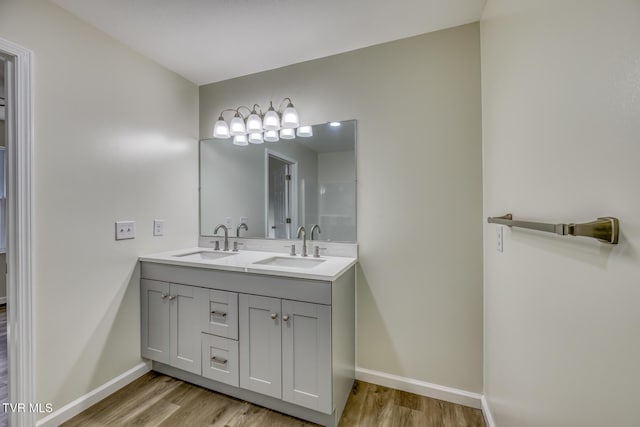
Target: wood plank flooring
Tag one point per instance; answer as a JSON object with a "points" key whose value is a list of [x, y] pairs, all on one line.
{"points": [[158, 400]]}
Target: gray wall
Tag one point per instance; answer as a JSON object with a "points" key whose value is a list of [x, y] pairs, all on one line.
{"points": [[115, 137], [417, 102], [561, 109]]}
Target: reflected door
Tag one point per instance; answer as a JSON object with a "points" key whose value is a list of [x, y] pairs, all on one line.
{"points": [[279, 190]]}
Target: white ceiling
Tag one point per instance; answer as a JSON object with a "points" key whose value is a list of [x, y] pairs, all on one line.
{"points": [[213, 40]]}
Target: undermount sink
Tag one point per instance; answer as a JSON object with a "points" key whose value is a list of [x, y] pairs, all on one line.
{"points": [[206, 255], [279, 261]]}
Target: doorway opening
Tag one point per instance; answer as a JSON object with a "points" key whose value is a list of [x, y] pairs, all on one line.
{"points": [[17, 218], [4, 374], [281, 195]]}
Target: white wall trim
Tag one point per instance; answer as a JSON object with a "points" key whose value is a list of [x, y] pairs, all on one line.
{"points": [[19, 121], [72, 409], [423, 388], [488, 418]]}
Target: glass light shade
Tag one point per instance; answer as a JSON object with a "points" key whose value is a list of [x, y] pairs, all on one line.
{"points": [[254, 124], [237, 126], [304, 131], [271, 121], [256, 138], [221, 130], [287, 133], [334, 124], [290, 118], [240, 140], [271, 136]]}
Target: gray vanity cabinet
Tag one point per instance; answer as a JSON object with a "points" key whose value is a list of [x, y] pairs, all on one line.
{"points": [[281, 342], [155, 320], [306, 355], [170, 328], [286, 350], [261, 345]]}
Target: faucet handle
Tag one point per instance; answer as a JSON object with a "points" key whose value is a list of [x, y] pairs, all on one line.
{"points": [[316, 251], [216, 246], [293, 250], [235, 246]]}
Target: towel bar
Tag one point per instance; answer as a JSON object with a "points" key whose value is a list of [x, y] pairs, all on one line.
{"points": [[604, 229]]}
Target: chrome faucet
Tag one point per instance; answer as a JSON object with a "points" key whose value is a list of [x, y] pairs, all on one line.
{"points": [[302, 231], [243, 226], [226, 235], [314, 228]]}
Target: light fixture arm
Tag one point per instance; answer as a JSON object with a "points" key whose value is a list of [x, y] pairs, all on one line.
{"points": [[290, 104], [224, 111], [240, 114], [261, 114]]}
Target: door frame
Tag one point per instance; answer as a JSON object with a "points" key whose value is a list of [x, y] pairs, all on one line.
{"points": [[20, 294], [293, 194]]}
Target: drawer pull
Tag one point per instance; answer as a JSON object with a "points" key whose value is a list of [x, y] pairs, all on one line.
{"points": [[285, 317], [221, 314], [219, 360], [274, 316]]}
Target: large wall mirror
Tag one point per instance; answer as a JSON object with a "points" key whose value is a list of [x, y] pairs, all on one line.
{"points": [[277, 186]]}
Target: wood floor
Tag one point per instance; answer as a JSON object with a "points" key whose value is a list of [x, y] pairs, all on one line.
{"points": [[158, 400], [4, 377]]}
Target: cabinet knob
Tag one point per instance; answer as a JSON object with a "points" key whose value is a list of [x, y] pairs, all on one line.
{"points": [[274, 316], [285, 317], [164, 296], [172, 297]]}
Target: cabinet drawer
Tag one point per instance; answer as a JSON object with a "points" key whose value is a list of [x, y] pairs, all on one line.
{"points": [[219, 313], [220, 359]]}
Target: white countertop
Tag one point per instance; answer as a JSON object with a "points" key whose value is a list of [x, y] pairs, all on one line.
{"points": [[244, 261]]}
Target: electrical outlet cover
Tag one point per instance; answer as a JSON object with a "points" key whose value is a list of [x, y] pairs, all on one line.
{"points": [[125, 230], [158, 227]]}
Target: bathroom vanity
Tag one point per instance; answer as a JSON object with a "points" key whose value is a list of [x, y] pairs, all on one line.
{"points": [[269, 328]]}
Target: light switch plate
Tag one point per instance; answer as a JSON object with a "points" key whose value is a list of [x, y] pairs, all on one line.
{"points": [[228, 222], [158, 227], [125, 230], [499, 241]]}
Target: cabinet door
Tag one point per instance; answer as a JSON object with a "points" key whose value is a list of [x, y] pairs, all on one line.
{"points": [[306, 355], [155, 321], [260, 345], [219, 313], [185, 329]]}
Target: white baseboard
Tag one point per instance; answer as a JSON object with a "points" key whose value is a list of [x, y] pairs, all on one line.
{"points": [[72, 409], [3, 300], [488, 418], [423, 388]]}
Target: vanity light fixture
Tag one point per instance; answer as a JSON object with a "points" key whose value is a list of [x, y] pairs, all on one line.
{"points": [[240, 140], [304, 131], [256, 138], [271, 136], [257, 127], [334, 124], [287, 133]]}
